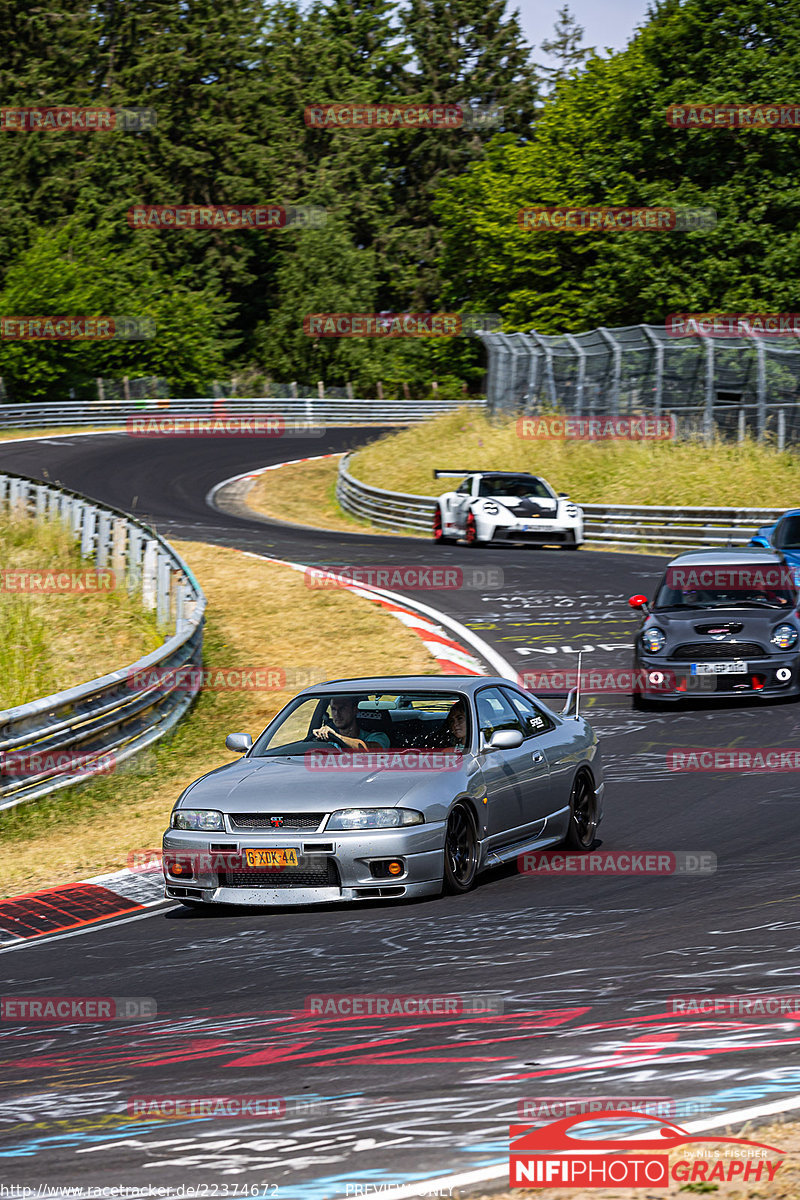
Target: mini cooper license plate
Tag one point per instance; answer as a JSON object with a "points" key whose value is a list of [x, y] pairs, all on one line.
{"points": [[273, 857], [737, 667]]}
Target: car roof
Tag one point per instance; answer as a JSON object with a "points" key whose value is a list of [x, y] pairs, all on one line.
{"points": [[407, 683], [710, 558]]}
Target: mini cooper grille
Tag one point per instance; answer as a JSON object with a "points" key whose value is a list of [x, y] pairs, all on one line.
{"points": [[713, 651], [323, 873], [310, 822]]}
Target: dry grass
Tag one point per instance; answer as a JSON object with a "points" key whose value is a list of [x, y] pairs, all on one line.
{"points": [[785, 1186], [613, 473], [259, 615], [11, 435], [50, 641], [305, 493]]}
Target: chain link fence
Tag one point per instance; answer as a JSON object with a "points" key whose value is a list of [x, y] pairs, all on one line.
{"points": [[731, 386]]}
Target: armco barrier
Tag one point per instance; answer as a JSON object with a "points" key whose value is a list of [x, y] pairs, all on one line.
{"points": [[304, 411], [677, 526], [107, 716]]}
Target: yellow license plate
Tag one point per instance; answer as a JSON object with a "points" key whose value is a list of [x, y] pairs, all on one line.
{"points": [[274, 857]]}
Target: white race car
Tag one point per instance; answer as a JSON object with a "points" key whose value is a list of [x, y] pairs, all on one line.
{"points": [[500, 506]]}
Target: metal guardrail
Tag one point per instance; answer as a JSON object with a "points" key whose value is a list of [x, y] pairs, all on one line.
{"points": [[670, 526], [305, 412], [115, 715]]}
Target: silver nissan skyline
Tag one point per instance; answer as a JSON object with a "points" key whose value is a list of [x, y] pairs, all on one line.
{"points": [[385, 788]]}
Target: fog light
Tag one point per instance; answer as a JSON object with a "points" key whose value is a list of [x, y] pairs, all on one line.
{"points": [[395, 868], [183, 870], [783, 674], [386, 868]]}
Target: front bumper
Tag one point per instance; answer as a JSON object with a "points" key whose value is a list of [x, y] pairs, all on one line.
{"points": [[331, 868], [759, 681], [543, 533]]}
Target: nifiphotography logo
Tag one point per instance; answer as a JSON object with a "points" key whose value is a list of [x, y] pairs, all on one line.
{"points": [[551, 1155]]}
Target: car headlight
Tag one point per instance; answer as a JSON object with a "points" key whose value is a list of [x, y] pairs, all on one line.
{"points": [[490, 507], [653, 639], [197, 818], [784, 636], [374, 818], [572, 510]]}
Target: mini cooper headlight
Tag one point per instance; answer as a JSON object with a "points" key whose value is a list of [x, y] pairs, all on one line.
{"points": [[373, 818], [784, 637], [653, 639], [197, 818], [490, 507]]}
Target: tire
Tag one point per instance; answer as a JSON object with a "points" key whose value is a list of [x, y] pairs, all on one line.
{"points": [[438, 536], [573, 545], [460, 851], [471, 532], [582, 813]]}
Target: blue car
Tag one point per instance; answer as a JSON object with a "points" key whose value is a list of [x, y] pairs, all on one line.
{"points": [[784, 535]]}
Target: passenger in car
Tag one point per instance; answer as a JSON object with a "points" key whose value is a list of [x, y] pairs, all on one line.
{"points": [[452, 733], [344, 724]]}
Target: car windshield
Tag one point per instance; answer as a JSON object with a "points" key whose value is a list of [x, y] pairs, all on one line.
{"points": [[788, 534], [779, 598], [515, 487], [337, 722]]}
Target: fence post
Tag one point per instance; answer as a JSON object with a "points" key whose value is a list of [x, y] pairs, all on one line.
{"points": [[708, 411], [103, 538], [87, 530], [781, 428], [581, 353], [349, 389], [762, 388], [126, 389], [742, 426], [658, 347], [101, 395], [149, 573], [616, 351]]}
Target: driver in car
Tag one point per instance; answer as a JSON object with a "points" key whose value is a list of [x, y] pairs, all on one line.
{"points": [[345, 727]]}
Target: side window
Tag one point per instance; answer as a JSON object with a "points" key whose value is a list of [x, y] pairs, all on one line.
{"points": [[496, 712], [534, 719], [466, 487]]}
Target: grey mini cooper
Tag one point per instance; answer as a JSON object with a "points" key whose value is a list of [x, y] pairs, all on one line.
{"points": [[722, 623], [399, 786]]}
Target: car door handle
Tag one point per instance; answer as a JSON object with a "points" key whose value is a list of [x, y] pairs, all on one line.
{"points": [[537, 757]]}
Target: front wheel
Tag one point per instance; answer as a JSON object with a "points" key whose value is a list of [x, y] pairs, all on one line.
{"points": [[471, 532], [460, 851], [582, 813]]}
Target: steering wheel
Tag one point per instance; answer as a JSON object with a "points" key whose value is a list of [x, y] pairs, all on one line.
{"points": [[333, 737]]}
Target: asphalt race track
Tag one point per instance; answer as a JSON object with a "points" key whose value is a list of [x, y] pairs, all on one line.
{"points": [[585, 965]]}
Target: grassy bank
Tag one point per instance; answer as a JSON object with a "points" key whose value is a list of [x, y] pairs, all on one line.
{"points": [[51, 641], [259, 615], [613, 473]]}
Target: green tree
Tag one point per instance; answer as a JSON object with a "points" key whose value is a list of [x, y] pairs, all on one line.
{"points": [[565, 46]]}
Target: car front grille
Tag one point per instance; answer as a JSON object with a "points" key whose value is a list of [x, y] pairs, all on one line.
{"points": [[320, 873], [309, 822], [717, 651]]}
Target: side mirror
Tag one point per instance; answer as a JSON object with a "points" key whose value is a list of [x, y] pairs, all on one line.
{"points": [[504, 739], [239, 743], [638, 602], [563, 495]]}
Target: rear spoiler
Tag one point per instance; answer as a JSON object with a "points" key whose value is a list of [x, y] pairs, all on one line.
{"points": [[466, 471]]}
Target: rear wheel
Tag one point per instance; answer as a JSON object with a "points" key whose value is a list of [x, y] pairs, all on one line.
{"points": [[438, 530], [582, 813], [460, 850]]}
